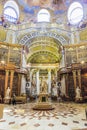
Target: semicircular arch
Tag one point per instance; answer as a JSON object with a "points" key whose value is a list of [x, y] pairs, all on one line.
{"points": [[43, 57], [26, 39]]}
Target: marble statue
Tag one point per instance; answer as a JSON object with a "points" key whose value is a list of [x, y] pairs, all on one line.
{"points": [[78, 93], [54, 91], [7, 93]]}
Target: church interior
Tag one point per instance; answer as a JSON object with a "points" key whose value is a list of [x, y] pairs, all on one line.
{"points": [[43, 64]]}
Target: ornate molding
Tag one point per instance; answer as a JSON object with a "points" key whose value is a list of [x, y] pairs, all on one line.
{"points": [[26, 38]]}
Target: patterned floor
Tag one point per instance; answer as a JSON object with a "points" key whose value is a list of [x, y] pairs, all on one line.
{"points": [[65, 116]]}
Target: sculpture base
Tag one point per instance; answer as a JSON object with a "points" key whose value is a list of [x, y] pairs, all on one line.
{"points": [[43, 103], [43, 106]]}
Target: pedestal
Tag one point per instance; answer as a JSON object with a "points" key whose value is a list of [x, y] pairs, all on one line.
{"points": [[43, 103], [1, 110]]}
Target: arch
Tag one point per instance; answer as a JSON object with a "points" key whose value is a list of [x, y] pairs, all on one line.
{"points": [[52, 57], [46, 45], [26, 38]]}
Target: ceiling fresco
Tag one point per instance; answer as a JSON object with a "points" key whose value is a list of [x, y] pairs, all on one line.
{"points": [[57, 9], [58, 6], [44, 57]]}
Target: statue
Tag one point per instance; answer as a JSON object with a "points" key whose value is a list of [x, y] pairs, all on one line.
{"points": [[7, 93], [43, 87], [54, 91], [78, 93]]}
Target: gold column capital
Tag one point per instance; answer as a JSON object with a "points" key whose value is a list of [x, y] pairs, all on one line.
{"points": [[74, 71], [79, 72], [12, 71], [49, 70], [7, 71]]}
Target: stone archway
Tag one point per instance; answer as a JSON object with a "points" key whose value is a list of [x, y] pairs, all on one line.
{"points": [[44, 51], [26, 39]]}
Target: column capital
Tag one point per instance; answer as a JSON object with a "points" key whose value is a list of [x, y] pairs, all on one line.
{"points": [[79, 72], [74, 70], [37, 70], [49, 70], [7, 71], [12, 71]]}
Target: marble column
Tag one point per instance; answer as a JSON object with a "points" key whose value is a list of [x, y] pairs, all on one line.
{"points": [[74, 78], [49, 81], [62, 63], [19, 84], [37, 82], [63, 85], [11, 80], [77, 37], [11, 36], [23, 79], [67, 82], [23, 60], [79, 78], [6, 80], [30, 77], [72, 36], [23, 85]]}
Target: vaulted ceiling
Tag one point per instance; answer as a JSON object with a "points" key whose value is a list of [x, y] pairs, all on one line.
{"points": [[44, 50]]}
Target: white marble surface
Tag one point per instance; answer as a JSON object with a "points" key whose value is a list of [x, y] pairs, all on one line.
{"points": [[65, 116]]}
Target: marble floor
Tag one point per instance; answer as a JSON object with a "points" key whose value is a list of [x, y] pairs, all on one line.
{"points": [[65, 116]]}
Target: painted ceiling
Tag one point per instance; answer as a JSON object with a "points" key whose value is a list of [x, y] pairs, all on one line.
{"points": [[57, 8], [44, 51]]}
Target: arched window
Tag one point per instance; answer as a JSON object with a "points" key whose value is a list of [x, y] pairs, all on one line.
{"points": [[11, 11], [43, 16], [75, 13]]}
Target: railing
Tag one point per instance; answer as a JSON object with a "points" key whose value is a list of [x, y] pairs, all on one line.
{"points": [[35, 26]]}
